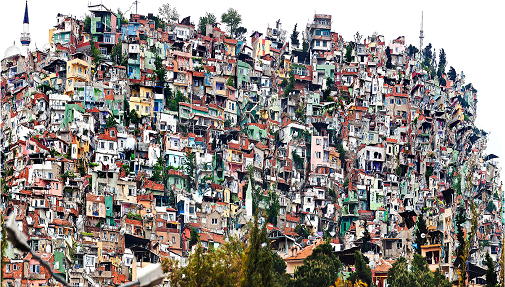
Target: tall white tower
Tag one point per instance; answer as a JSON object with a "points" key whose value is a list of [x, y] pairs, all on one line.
{"points": [[421, 34], [25, 36]]}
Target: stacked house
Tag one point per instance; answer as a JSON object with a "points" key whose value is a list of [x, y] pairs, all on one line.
{"points": [[123, 138]]}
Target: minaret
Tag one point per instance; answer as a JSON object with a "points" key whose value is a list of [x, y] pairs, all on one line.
{"points": [[421, 35], [25, 36]]}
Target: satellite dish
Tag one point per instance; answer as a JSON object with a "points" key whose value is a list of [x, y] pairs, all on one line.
{"points": [[122, 231], [423, 235]]}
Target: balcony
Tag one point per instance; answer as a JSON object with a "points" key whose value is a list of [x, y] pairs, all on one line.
{"points": [[133, 62]]}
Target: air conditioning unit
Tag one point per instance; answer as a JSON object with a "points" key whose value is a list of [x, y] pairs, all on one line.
{"points": [[149, 228], [148, 210]]}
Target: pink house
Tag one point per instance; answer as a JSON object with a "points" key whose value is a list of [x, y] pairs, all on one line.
{"points": [[320, 152]]}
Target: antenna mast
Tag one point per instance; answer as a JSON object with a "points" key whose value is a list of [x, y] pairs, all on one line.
{"points": [[421, 34], [136, 4]]}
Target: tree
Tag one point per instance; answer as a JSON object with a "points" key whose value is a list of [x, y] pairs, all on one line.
{"points": [[420, 232], [117, 56], [168, 13], [240, 33], [305, 46], [419, 276], [412, 50], [348, 52], [159, 71], [362, 271], [110, 122], [452, 74], [173, 103], [216, 267], [232, 19], [193, 236], [96, 55], [257, 260], [490, 206], [190, 168], [428, 55], [302, 231], [294, 37], [87, 24], [321, 268], [279, 268], [158, 170], [273, 207], [389, 65], [442, 61], [366, 237], [491, 276], [209, 18]]}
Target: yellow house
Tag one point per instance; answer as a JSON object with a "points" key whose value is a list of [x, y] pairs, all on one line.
{"points": [[80, 148], [141, 101], [77, 71]]}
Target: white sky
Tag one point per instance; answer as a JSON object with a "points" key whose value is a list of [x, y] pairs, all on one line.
{"points": [[467, 30]]}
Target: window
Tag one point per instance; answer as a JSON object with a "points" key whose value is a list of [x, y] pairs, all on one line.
{"points": [[214, 221], [8, 268], [173, 239], [391, 101], [398, 101], [35, 269], [324, 44], [111, 145], [102, 145], [317, 43], [161, 238], [370, 137], [318, 141], [15, 267]]}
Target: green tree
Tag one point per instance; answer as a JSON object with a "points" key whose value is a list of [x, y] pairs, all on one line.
{"points": [[279, 268], [240, 33], [273, 207], [442, 61], [302, 231], [420, 230], [168, 13], [193, 236], [190, 168], [232, 19], [412, 50], [361, 270], [491, 276], [428, 55], [366, 238], [389, 65], [400, 276], [305, 46], [116, 55], [294, 37], [320, 269], [348, 52], [110, 122], [452, 74], [160, 72], [209, 18], [491, 206], [158, 170], [96, 55], [173, 103], [257, 260], [87, 24]]}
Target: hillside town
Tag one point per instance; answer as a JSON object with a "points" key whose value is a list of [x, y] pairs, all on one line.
{"points": [[127, 141]]}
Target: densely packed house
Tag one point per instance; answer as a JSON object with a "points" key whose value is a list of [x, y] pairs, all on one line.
{"points": [[122, 138]]}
